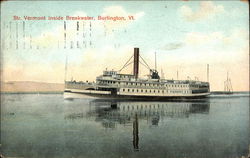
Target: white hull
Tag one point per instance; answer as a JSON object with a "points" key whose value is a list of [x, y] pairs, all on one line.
{"points": [[92, 94]]}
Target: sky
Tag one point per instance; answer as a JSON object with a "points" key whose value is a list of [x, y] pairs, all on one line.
{"points": [[186, 36]]}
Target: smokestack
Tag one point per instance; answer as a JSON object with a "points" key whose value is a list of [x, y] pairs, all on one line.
{"points": [[136, 62]]}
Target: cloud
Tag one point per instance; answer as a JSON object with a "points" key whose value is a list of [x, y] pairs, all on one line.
{"points": [[198, 38], [173, 46], [217, 38], [223, 52], [51, 38], [206, 10]]}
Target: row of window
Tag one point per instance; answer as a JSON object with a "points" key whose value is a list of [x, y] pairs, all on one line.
{"points": [[151, 91], [160, 107], [144, 84], [141, 90], [194, 86]]}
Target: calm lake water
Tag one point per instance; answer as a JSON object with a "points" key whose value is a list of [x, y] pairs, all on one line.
{"points": [[48, 126]]}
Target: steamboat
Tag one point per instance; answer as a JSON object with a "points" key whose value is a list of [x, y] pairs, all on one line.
{"points": [[115, 85]]}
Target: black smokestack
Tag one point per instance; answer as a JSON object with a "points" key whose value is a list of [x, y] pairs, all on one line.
{"points": [[136, 62]]}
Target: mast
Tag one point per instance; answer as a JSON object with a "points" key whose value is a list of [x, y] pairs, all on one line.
{"points": [[136, 62], [228, 85], [227, 76], [162, 74], [177, 75], [207, 72], [231, 87], [155, 62]]}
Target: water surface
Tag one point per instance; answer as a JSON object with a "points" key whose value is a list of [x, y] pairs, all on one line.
{"points": [[48, 126]]}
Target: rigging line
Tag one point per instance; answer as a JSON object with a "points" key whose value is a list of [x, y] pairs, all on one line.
{"points": [[125, 66], [126, 63], [144, 65], [145, 62]]}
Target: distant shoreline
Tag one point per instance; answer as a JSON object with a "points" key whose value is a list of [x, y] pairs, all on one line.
{"points": [[31, 87], [234, 92], [56, 92]]}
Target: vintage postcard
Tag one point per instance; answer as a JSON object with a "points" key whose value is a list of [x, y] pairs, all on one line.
{"points": [[125, 79]]}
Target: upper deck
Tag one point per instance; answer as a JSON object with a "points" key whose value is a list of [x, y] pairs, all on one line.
{"points": [[112, 77]]}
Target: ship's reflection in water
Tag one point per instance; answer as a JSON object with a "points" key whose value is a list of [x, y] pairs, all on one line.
{"points": [[48, 126], [135, 134], [110, 113]]}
